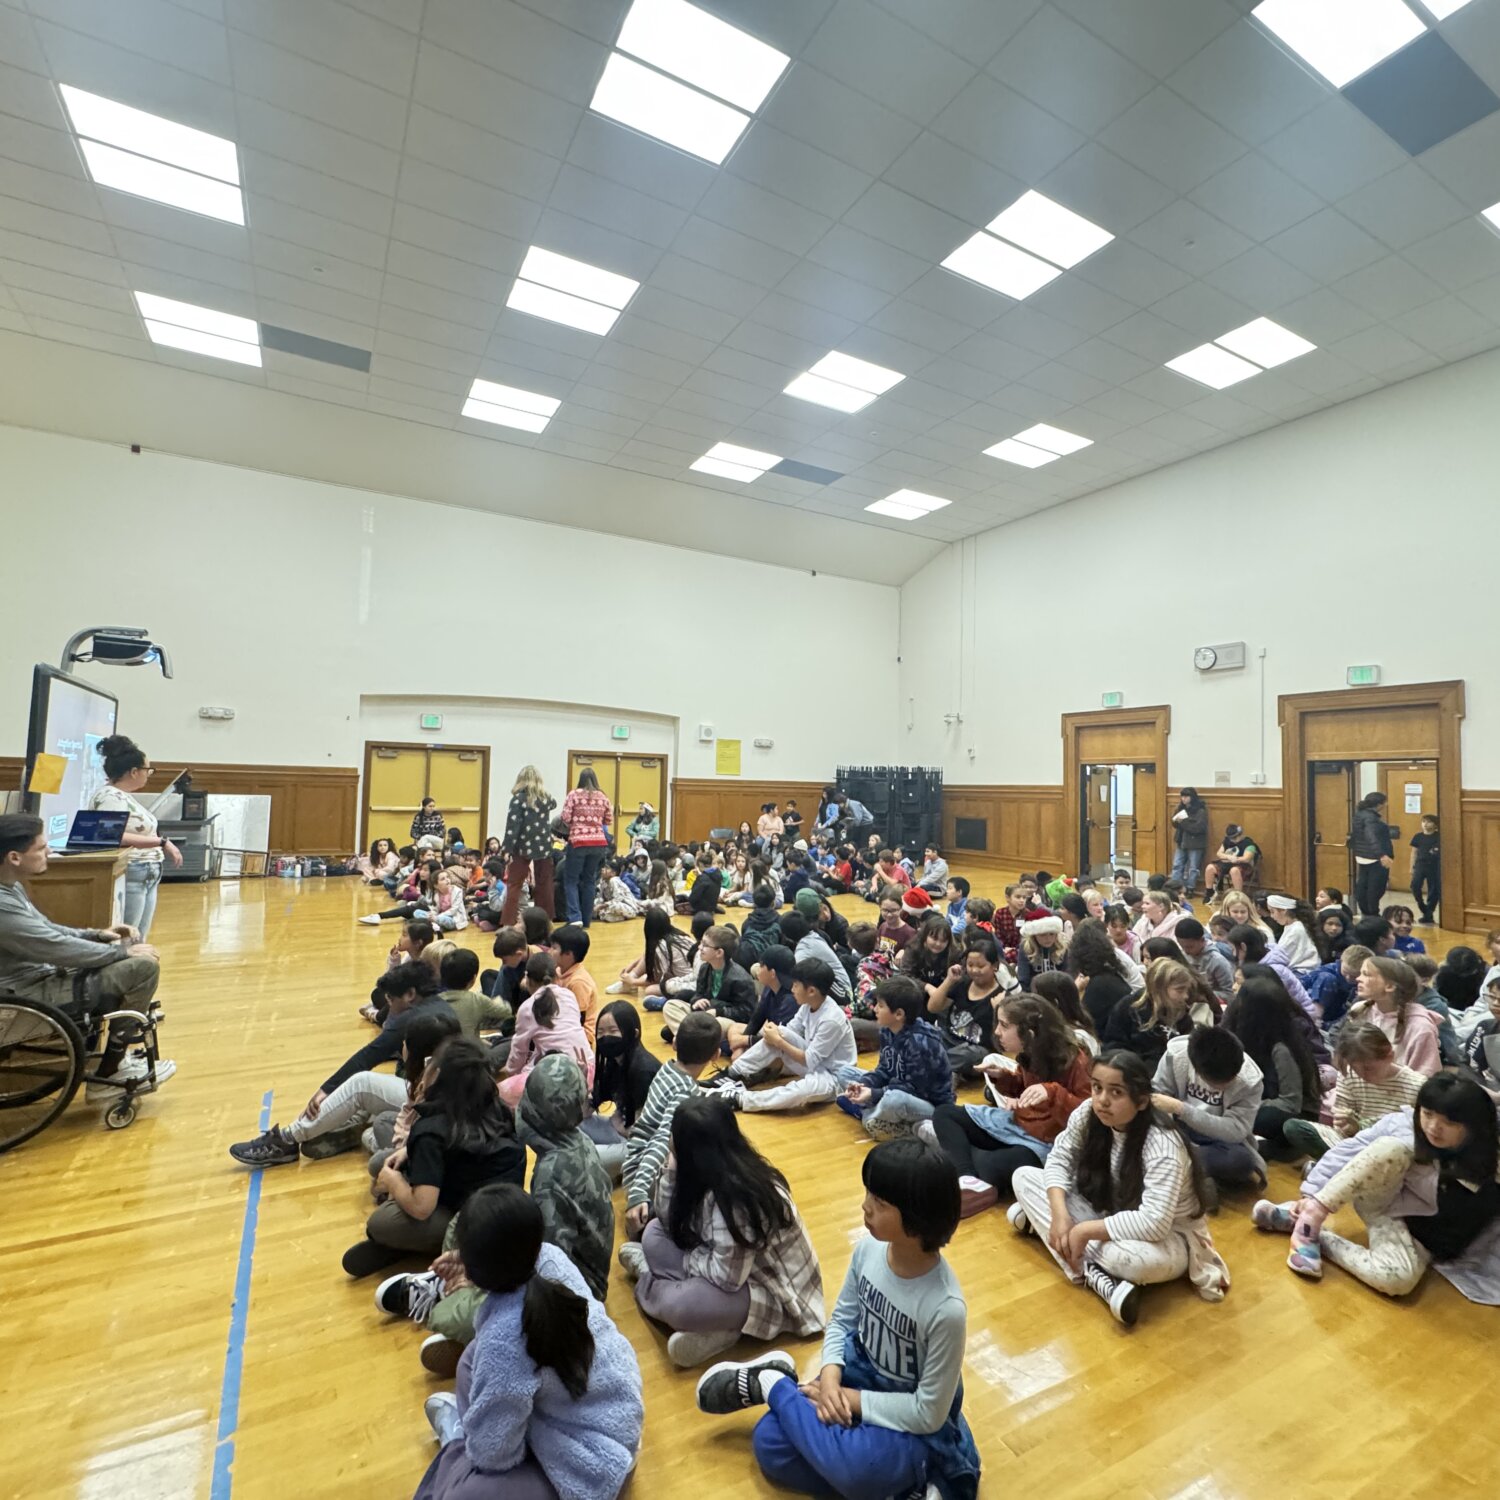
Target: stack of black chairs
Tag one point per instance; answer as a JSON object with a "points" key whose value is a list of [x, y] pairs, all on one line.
{"points": [[905, 801]]}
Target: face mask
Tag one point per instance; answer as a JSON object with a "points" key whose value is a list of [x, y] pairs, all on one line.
{"points": [[611, 1046]]}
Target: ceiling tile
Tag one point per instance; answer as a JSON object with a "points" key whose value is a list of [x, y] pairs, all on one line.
{"points": [[278, 132], [1326, 246], [1256, 197], [609, 150], [18, 42], [1448, 323], [1164, 135], [53, 283], [1101, 186], [1455, 257], [997, 356], [1081, 303], [971, 28], [908, 223], [1334, 149], [152, 29], [1379, 350], [1132, 273], [866, 259], [39, 146], [788, 316], [1189, 238], [1160, 35], [683, 313], [791, 168], [953, 180], [1466, 163], [519, 43], [1037, 332], [31, 96], [763, 215], [333, 35], [481, 96], [1403, 206], [316, 192], [1106, 361], [1260, 279], [1204, 310], [908, 320], [1248, 84], [1388, 287], [999, 125], [1323, 316], [699, 283], [811, 106]]}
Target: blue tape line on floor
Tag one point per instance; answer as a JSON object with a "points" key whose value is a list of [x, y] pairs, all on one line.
{"points": [[234, 1355]]}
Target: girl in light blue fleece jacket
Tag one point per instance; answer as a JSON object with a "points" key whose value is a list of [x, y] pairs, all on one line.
{"points": [[549, 1393]]}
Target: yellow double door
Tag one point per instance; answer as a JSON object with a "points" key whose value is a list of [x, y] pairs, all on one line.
{"points": [[400, 776], [627, 780]]}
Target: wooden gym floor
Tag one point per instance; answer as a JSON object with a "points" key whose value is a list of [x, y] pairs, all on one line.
{"points": [[119, 1254]]}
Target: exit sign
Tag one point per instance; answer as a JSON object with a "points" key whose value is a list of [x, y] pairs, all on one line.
{"points": [[1362, 676], [432, 721], [1112, 700], [619, 731]]}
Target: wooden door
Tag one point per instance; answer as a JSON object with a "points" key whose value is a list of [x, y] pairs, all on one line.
{"points": [[395, 783], [1098, 814], [640, 778], [1394, 781], [1331, 803], [1149, 854], [458, 779]]}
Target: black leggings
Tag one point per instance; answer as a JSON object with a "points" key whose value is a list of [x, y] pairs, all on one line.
{"points": [[974, 1151], [1370, 882]]}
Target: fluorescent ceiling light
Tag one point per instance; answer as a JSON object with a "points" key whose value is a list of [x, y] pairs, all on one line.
{"points": [[702, 50], [569, 291], [859, 373], [924, 503], [1054, 439], [1024, 454], [145, 155], [508, 406], [1212, 366], [895, 509], [1340, 38], [843, 382], [669, 111], [1000, 267], [1265, 343], [730, 461], [203, 343], [1048, 229], [200, 330], [505, 416], [1491, 216]]}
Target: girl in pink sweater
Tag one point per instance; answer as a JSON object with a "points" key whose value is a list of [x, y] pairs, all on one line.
{"points": [[549, 1021]]}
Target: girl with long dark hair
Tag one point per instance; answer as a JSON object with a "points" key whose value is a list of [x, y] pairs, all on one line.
{"points": [[727, 1253], [1119, 1203], [1099, 969], [549, 1393], [623, 1071], [1423, 1180], [1268, 1023], [664, 957]]}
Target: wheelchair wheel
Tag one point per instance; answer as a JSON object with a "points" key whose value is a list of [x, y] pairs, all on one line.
{"points": [[119, 1115], [42, 1057]]}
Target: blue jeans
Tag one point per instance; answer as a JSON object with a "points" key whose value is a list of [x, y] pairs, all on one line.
{"points": [[581, 880], [796, 1451], [141, 881], [895, 1113], [1187, 866]]}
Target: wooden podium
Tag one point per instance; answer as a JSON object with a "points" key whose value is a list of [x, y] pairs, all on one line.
{"points": [[82, 890]]}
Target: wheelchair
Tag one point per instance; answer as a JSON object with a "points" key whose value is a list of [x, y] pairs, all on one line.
{"points": [[46, 1052]]}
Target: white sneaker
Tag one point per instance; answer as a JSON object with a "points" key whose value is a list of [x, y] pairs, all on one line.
{"points": [[686, 1350], [370, 919], [926, 1131], [132, 1070], [441, 1409], [617, 988], [632, 1260], [1016, 1217]]}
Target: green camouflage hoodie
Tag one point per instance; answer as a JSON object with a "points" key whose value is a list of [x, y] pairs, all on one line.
{"points": [[568, 1182]]}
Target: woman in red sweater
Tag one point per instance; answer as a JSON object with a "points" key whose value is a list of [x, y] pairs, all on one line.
{"points": [[1033, 1097], [587, 813]]}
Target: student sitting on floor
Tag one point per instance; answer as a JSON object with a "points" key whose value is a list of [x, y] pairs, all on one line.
{"points": [[958, 905], [463, 1138], [806, 942], [1423, 1180], [1099, 968], [933, 876], [549, 1393], [697, 1044], [1144, 1023], [762, 929], [1061, 991], [723, 988], [913, 1078], [1033, 1090], [1208, 1083], [475, 1011], [930, 955], [569, 946], [1043, 947], [1371, 1084], [1119, 1203], [810, 1049], [1387, 990], [664, 959], [504, 984], [1425, 967], [885, 1415], [1482, 1048], [547, 1022], [1402, 920], [1333, 987], [616, 902], [726, 1254], [963, 1005], [775, 1002], [623, 1071], [1266, 1020]]}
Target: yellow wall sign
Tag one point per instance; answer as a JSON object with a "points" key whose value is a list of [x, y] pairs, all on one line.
{"points": [[727, 758]]}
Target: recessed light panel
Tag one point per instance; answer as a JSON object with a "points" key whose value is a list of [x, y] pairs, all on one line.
{"points": [[1340, 38], [1491, 216], [730, 461], [925, 503], [509, 406], [896, 510], [570, 291], [1212, 366], [702, 50], [723, 469], [149, 157], [199, 330], [1054, 439], [669, 111], [859, 373], [1265, 343], [1045, 228], [1023, 454], [829, 393], [1000, 267], [504, 416]]}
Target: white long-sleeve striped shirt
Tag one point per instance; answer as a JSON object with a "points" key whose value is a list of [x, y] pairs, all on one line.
{"points": [[1166, 1194]]}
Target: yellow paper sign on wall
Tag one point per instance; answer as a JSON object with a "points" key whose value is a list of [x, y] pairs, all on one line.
{"points": [[47, 773], [727, 757]]}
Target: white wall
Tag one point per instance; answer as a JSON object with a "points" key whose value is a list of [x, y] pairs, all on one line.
{"points": [[1363, 534], [290, 600]]}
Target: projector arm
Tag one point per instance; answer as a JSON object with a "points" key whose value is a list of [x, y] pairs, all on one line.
{"points": [[116, 645]]}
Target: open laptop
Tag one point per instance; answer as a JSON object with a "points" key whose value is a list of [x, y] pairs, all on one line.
{"points": [[95, 832]]}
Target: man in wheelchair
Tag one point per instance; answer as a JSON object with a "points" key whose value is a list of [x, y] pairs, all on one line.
{"points": [[82, 972]]}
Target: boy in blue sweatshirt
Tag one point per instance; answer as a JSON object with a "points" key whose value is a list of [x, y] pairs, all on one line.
{"points": [[958, 904], [914, 1075]]}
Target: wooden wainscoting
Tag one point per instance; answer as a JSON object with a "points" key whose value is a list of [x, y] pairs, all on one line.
{"points": [[699, 804], [1258, 810], [1024, 825], [314, 809], [1480, 835]]}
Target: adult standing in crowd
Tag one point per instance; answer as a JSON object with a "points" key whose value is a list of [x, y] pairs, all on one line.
{"points": [[528, 845], [1190, 834], [428, 822], [587, 814], [126, 771], [1370, 843]]}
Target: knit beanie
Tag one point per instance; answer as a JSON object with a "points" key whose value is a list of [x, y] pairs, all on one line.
{"points": [[808, 903]]}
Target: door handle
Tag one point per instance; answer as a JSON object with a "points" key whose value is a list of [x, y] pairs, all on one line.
{"points": [[1317, 835]]}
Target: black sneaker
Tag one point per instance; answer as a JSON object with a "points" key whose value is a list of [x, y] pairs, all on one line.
{"points": [[666, 1033], [409, 1295], [273, 1149], [367, 1257], [734, 1385]]}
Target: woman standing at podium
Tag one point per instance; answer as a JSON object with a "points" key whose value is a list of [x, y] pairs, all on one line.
{"points": [[126, 772]]}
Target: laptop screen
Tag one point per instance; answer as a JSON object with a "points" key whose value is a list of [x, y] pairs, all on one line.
{"points": [[97, 830]]}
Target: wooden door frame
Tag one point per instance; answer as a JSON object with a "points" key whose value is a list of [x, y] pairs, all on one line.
{"points": [[1158, 719], [483, 752], [1447, 700], [618, 755]]}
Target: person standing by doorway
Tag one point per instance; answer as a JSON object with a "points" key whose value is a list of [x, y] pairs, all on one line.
{"points": [[1427, 869], [528, 845], [1370, 843], [1190, 834], [587, 814], [126, 771]]}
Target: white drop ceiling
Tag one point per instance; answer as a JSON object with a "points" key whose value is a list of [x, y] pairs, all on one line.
{"points": [[400, 156]]}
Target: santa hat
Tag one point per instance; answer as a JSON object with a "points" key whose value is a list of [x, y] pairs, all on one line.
{"points": [[1038, 926], [916, 903]]}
